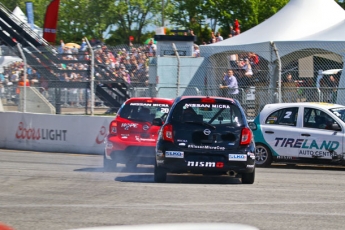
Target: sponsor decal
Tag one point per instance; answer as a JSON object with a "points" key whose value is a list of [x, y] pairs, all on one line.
{"points": [[124, 136], [160, 161], [145, 127], [285, 158], [237, 157], [219, 106], [316, 153], [207, 132], [206, 147], [251, 155], [182, 144], [306, 144], [149, 104], [137, 138], [174, 154], [179, 140], [219, 165], [101, 135], [32, 133], [205, 164], [126, 126], [250, 166]]}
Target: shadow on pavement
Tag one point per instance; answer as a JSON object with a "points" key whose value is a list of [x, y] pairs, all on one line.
{"points": [[122, 169], [182, 178], [310, 167]]}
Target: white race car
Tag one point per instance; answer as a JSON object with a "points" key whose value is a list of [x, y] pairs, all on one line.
{"points": [[302, 132]]}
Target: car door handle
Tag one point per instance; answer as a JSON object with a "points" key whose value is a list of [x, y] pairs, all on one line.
{"points": [[305, 134], [269, 132]]}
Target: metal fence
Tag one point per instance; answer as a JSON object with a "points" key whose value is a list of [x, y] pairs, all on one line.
{"points": [[266, 73]]}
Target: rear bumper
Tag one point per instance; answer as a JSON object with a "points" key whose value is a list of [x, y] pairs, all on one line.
{"points": [[114, 143], [206, 163]]}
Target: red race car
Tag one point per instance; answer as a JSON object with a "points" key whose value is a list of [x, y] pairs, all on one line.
{"points": [[132, 137]]}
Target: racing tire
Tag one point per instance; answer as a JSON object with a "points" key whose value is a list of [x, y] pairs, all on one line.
{"points": [[263, 156], [108, 165], [248, 178], [160, 174]]}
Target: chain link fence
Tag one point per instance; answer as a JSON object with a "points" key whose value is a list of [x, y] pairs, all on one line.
{"points": [[266, 73], [68, 69]]}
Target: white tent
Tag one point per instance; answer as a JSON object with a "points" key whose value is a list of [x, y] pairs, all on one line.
{"points": [[298, 19], [20, 15], [291, 29]]}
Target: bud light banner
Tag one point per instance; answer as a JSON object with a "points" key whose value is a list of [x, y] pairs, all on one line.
{"points": [[30, 13], [50, 21]]}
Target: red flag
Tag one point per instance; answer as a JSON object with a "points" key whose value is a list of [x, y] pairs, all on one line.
{"points": [[50, 21]]}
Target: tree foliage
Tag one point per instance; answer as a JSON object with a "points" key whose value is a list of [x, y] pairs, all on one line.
{"points": [[124, 18]]}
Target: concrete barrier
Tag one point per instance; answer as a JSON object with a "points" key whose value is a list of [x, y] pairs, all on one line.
{"points": [[179, 226], [35, 102], [53, 133], [1, 106]]}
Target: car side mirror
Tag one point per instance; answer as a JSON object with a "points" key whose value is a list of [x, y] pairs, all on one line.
{"points": [[157, 122], [252, 125], [336, 127]]}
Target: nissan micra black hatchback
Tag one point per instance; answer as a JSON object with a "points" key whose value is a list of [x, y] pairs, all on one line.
{"points": [[205, 135]]}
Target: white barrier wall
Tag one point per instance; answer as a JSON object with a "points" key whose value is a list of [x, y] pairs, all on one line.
{"points": [[53, 133]]}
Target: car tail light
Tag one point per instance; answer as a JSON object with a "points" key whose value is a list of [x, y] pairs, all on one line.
{"points": [[246, 136], [208, 100], [113, 128], [168, 133]]}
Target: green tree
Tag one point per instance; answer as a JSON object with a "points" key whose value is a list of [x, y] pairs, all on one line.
{"points": [[11, 4], [90, 18], [341, 3], [131, 17], [249, 13]]}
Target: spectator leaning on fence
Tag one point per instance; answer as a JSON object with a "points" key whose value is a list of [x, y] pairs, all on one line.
{"points": [[230, 84]]}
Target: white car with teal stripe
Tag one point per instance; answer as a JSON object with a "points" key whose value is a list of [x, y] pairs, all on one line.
{"points": [[301, 132]]}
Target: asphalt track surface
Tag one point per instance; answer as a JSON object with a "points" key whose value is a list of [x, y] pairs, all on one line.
{"points": [[58, 191]]}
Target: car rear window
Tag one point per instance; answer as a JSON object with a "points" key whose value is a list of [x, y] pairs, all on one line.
{"points": [[144, 111], [214, 112]]}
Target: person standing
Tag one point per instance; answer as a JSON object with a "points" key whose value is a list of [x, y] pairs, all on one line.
{"points": [[332, 84], [289, 90], [230, 84], [83, 46], [219, 37], [22, 83], [61, 48]]}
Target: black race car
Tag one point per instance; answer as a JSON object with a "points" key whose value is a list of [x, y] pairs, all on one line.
{"points": [[205, 135]]}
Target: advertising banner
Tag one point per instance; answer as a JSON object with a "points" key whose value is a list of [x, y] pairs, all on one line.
{"points": [[53, 133], [50, 21], [30, 13]]}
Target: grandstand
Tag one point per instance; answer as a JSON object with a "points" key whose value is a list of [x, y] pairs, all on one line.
{"points": [[117, 70]]}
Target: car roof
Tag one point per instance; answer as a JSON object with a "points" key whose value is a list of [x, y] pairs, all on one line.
{"points": [[313, 104], [151, 99], [211, 97]]}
